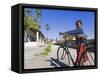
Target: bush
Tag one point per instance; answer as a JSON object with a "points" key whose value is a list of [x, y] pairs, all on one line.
{"points": [[46, 51]]}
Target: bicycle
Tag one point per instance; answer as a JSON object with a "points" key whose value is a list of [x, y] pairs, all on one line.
{"points": [[63, 51]]}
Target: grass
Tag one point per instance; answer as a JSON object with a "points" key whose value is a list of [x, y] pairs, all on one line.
{"points": [[45, 52]]}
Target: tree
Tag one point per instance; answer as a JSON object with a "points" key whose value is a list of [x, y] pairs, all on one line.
{"points": [[37, 15], [30, 23], [47, 28]]}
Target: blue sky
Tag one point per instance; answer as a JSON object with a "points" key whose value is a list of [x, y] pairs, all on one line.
{"points": [[64, 20]]}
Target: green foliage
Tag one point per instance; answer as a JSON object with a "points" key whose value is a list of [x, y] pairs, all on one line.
{"points": [[46, 51], [29, 22]]}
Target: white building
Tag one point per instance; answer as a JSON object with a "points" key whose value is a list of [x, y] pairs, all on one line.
{"points": [[34, 38]]}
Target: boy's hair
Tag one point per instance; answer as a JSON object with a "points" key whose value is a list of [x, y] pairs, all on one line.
{"points": [[79, 21]]}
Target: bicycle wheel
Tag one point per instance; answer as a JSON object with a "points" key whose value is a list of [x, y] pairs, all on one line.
{"points": [[90, 58], [62, 54]]}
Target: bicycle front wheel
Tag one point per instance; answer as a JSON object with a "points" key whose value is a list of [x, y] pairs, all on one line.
{"points": [[62, 55]]}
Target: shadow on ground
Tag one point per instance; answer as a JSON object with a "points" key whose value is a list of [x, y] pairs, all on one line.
{"points": [[57, 63]]}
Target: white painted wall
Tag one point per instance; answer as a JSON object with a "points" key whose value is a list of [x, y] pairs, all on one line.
{"points": [[37, 36], [5, 38]]}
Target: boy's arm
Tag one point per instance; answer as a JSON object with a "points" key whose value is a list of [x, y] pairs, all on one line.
{"points": [[75, 31]]}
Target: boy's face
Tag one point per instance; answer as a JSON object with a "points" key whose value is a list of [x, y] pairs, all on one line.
{"points": [[79, 25]]}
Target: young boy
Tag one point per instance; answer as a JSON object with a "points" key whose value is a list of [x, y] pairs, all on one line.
{"points": [[79, 36]]}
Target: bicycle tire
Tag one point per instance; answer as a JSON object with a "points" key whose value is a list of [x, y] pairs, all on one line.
{"points": [[62, 54]]}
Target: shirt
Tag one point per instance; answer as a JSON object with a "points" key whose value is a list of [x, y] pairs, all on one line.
{"points": [[75, 31]]}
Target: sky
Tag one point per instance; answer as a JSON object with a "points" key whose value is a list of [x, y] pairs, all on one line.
{"points": [[64, 20]]}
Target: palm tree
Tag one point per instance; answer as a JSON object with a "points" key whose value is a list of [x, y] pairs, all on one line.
{"points": [[47, 28], [37, 18], [38, 15]]}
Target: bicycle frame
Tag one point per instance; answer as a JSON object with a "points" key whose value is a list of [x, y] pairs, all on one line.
{"points": [[65, 47]]}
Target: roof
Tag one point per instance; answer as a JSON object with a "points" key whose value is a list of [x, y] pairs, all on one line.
{"points": [[33, 30]]}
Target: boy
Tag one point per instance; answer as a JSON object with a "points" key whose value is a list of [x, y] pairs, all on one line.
{"points": [[80, 38]]}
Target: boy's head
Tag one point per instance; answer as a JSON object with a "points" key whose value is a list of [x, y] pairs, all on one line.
{"points": [[78, 24]]}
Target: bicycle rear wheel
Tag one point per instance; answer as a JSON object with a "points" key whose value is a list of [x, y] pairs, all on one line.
{"points": [[90, 58], [62, 55]]}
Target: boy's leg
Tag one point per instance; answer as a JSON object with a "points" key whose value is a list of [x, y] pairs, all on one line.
{"points": [[79, 54], [78, 48]]}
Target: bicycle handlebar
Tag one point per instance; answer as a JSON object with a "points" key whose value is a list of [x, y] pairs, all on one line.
{"points": [[60, 35], [64, 35], [80, 36]]}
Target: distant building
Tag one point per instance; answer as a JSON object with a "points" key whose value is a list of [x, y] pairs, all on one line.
{"points": [[34, 38]]}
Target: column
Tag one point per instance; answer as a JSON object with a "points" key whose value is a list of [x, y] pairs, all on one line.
{"points": [[37, 36]]}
